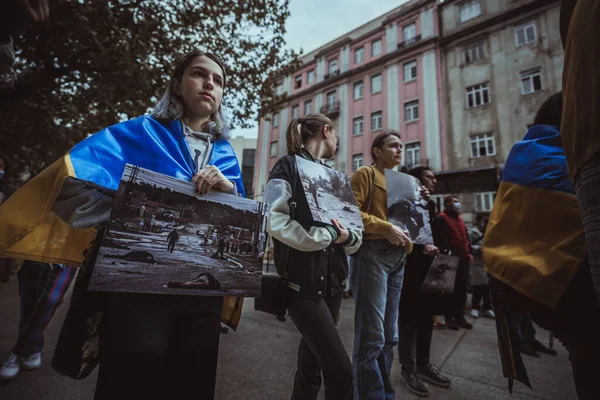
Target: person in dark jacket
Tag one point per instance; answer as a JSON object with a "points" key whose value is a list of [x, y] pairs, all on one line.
{"points": [[415, 326], [450, 233], [317, 266]]}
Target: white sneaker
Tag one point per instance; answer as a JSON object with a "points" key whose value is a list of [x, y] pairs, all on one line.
{"points": [[475, 313], [489, 314], [34, 361], [10, 367]]}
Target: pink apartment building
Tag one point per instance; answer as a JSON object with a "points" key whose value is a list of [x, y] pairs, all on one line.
{"points": [[385, 74]]}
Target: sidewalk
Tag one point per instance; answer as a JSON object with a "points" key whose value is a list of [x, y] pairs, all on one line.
{"points": [[259, 360]]}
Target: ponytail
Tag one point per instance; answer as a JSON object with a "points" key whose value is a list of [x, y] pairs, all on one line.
{"points": [[301, 129]]}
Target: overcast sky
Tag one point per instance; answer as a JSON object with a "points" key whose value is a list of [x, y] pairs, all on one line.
{"points": [[313, 23]]}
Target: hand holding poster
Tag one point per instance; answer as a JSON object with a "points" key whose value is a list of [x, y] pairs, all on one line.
{"points": [[406, 206], [164, 238]]}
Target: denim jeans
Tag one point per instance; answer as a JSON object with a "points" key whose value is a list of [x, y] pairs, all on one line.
{"points": [[377, 274]]}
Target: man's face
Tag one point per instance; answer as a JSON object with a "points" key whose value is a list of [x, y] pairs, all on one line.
{"points": [[428, 180], [450, 204]]}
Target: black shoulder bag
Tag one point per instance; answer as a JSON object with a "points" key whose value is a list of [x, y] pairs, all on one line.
{"points": [[274, 288]]}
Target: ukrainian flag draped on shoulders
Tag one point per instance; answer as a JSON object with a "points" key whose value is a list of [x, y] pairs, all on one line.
{"points": [[30, 230], [534, 241]]}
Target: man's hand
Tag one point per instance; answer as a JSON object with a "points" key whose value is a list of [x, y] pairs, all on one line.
{"points": [[431, 250], [209, 177], [425, 193], [396, 236]]}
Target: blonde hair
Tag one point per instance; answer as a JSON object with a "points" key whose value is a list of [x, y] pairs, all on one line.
{"points": [[301, 129], [170, 106]]}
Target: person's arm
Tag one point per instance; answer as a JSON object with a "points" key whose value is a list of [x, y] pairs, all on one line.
{"points": [[440, 233], [361, 186], [354, 241], [280, 225], [82, 204]]}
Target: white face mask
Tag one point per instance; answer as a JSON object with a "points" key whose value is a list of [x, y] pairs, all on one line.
{"points": [[457, 206], [2, 174]]}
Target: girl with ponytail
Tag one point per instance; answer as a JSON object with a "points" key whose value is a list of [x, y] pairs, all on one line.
{"points": [[317, 264]]}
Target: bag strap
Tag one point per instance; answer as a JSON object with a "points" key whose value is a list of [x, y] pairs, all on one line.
{"points": [[293, 205], [372, 190]]}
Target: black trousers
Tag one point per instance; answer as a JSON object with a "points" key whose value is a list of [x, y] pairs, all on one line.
{"points": [[171, 247], [575, 322], [459, 297], [481, 293], [159, 347], [321, 351], [415, 317]]}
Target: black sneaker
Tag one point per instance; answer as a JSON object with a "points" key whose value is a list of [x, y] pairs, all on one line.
{"points": [[528, 350], [452, 325], [430, 373], [414, 384], [463, 323], [537, 346]]}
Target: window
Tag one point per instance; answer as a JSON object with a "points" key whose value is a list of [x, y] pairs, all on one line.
{"points": [[409, 33], [376, 84], [482, 145], [298, 82], [484, 202], [330, 163], [275, 120], [525, 34], [274, 149], [474, 53], [331, 98], [376, 121], [295, 111], [410, 71], [478, 95], [307, 107], [411, 111], [412, 153], [333, 67], [357, 126], [310, 77], [376, 47], [359, 55], [358, 90], [469, 10], [279, 90], [357, 161], [531, 81]]}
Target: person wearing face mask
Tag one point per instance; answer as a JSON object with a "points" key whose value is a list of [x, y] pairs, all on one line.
{"points": [[377, 272], [148, 346], [317, 265], [450, 234]]}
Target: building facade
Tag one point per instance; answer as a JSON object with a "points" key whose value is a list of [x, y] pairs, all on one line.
{"points": [[385, 74], [501, 60], [245, 151]]}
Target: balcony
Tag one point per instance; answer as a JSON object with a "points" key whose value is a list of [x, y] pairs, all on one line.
{"points": [[409, 42], [332, 110], [331, 75]]}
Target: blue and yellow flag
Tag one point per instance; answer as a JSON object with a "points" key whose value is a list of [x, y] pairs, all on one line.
{"points": [[534, 240], [30, 230]]}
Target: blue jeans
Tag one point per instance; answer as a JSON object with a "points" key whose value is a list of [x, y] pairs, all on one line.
{"points": [[377, 275]]}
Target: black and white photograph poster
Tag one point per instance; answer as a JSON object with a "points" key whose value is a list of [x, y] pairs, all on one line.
{"points": [[329, 194], [163, 238], [406, 207]]}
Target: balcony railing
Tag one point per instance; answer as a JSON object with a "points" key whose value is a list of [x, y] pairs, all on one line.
{"points": [[409, 42], [331, 75], [332, 110]]}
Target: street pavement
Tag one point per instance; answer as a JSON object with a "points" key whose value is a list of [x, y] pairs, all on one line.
{"points": [[259, 360]]}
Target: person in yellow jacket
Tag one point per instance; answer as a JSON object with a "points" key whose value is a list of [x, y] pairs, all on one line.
{"points": [[377, 271]]}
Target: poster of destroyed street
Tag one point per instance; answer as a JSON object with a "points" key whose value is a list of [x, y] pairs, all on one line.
{"points": [[329, 194], [164, 238], [406, 207]]}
